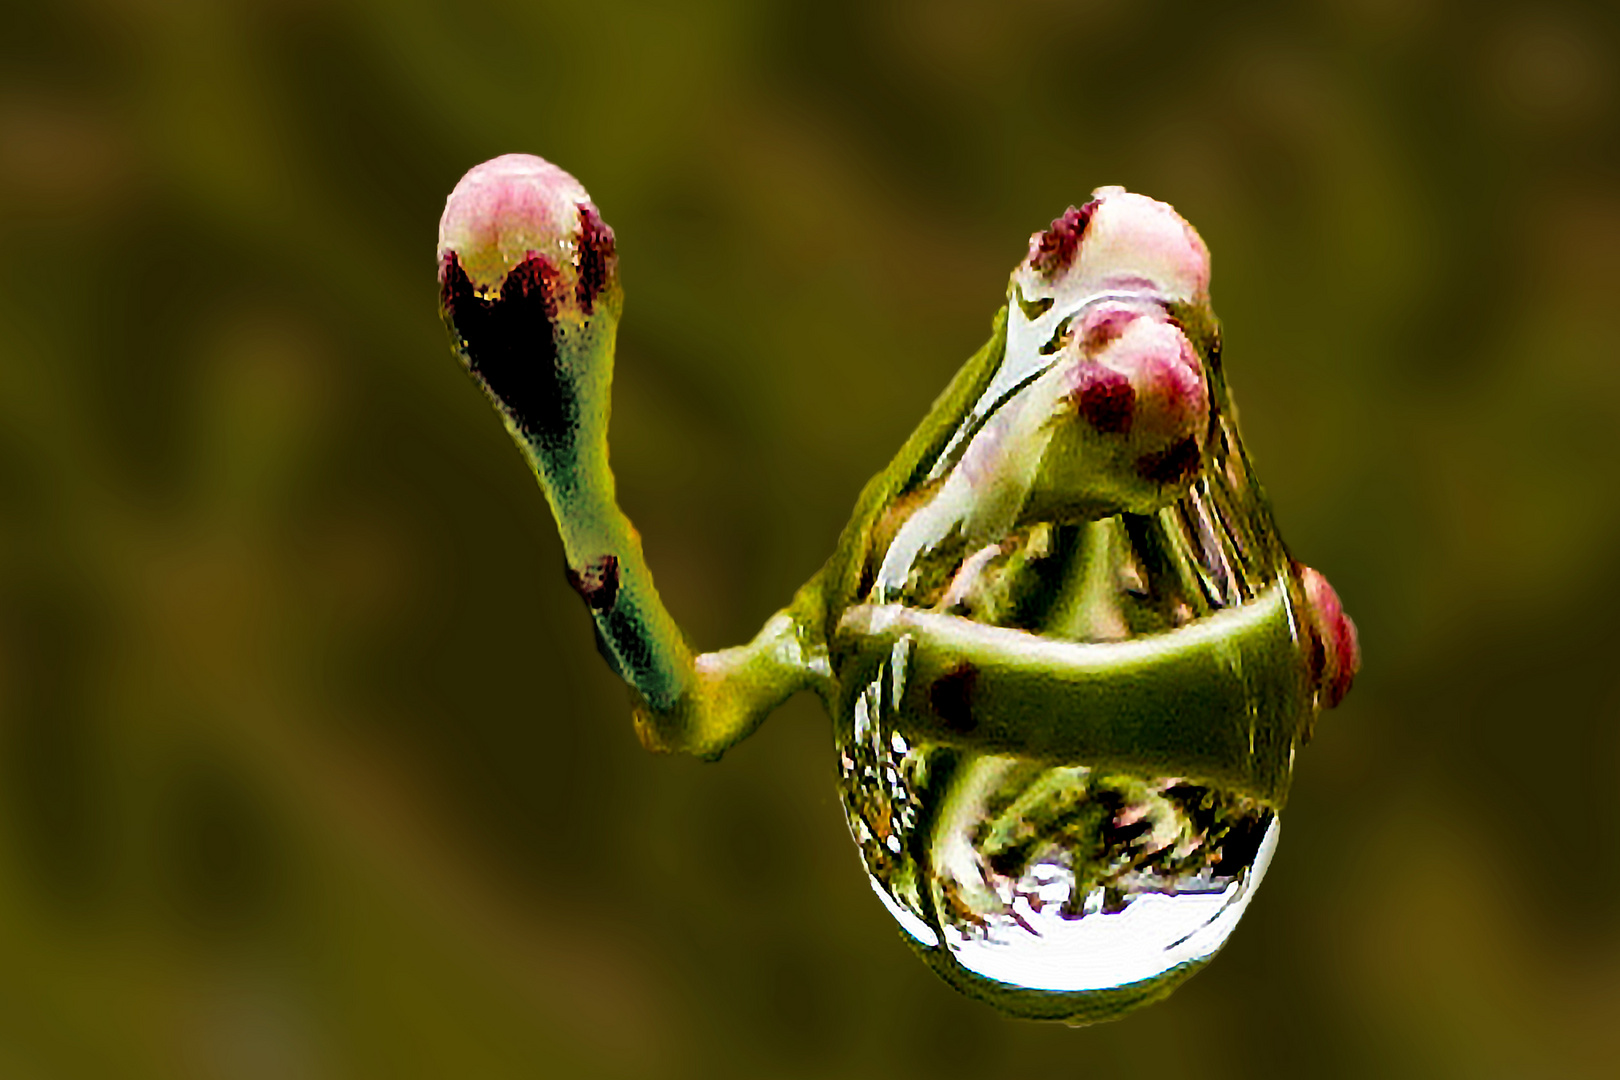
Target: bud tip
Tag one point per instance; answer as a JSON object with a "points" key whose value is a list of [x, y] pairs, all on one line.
{"points": [[517, 206], [1119, 239]]}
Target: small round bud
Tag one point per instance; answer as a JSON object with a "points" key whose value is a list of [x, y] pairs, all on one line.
{"points": [[516, 209], [1335, 650], [1154, 363], [1132, 423], [517, 206], [1118, 240]]}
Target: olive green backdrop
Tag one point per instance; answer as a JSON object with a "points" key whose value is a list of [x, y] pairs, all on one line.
{"points": [[308, 767]]}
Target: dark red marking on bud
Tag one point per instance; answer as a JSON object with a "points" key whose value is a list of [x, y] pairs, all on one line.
{"points": [[1172, 464], [1055, 247], [534, 280], [1108, 401], [596, 256], [951, 697], [510, 345], [597, 582]]}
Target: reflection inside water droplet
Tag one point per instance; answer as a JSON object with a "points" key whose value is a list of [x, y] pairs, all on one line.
{"points": [[1041, 885], [1062, 879]]}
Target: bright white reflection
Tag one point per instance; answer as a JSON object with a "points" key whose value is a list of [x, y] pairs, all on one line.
{"points": [[1040, 949]]}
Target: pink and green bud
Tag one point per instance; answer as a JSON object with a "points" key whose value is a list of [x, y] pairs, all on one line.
{"points": [[1134, 413], [521, 213], [1335, 650], [528, 285], [1139, 378], [1116, 241]]}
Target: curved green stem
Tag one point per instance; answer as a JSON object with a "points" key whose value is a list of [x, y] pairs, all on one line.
{"points": [[549, 375], [733, 690], [1222, 700]]}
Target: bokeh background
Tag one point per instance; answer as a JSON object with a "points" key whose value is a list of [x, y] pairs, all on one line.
{"points": [[308, 767]]}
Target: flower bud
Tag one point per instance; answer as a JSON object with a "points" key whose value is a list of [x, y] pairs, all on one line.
{"points": [[1335, 651], [1096, 293], [1133, 420], [1118, 240], [519, 210], [528, 283], [526, 266], [1140, 379]]}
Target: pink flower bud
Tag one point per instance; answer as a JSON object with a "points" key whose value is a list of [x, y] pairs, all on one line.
{"points": [[1139, 380], [519, 212], [1335, 650], [1127, 418], [525, 262], [1116, 241]]}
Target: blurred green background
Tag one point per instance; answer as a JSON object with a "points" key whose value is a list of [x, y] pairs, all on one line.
{"points": [[308, 767]]}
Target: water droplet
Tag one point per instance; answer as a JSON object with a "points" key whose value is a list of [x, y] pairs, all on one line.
{"points": [[1066, 728]]}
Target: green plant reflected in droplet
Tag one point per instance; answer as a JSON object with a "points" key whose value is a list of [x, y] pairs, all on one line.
{"points": [[1068, 657]]}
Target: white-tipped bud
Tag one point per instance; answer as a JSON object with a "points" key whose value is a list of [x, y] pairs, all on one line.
{"points": [[1117, 241], [521, 213]]}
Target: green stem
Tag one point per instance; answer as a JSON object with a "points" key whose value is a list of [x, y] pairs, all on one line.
{"points": [[605, 561], [699, 704], [735, 689], [1222, 700]]}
